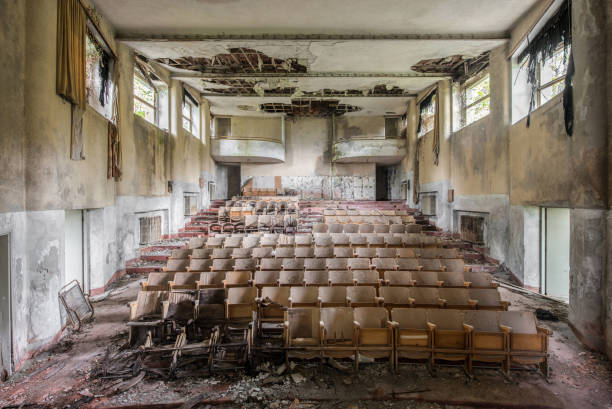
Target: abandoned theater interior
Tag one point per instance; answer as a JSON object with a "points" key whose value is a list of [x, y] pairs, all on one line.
{"points": [[290, 204]]}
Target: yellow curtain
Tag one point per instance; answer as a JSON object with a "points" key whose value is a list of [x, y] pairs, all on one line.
{"points": [[70, 67], [114, 138], [436, 130]]}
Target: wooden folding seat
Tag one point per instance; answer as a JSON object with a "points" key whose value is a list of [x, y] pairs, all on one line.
{"points": [[293, 264], [148, 305], [393, 242], [456, 298], [332, 297], [411, 264], [430, 241], [357, 263], [200, 254], [395, 297], [451, 335], [264, 222], [215, 242], [341, 212], [406, 252], [489, 342], [426, 279], [266, 278], [366, 252], [251, 223], [221, 253], [366, 228], [375, 333], [302, 333], [336, 263], [330, 219], [157, 281], [366, 277], [223, 264], [324, 252], [233, 242], [488, 299], [353, 212], [174, 265], [381, 228], [285, 240], [316, 278], [453, 264], [350, 228], [528, 342], [180, 254], [430, 264], [413, 228], [197, 242], [240, 304], [414, 337], [451, 279], [241, 253], [271, 306], [398, 278], [271, 264], [179, 308], [449, 253], [329, 212], [184, 281], [395, 220], [211, 279], [432, 252], [413, 240], [199, 264], [383, 264], [245, 264], [262, 252], [284, 252], [376, 241], [424, 297], [290, 278], [343, 252], [323, 240], [387, 212], [480, 280], [397, 228], [304, 252], [358, 241], [314, 263], [250, 242], [303, 240], [382, 252], [335, 228], [341, 278], [268, 241], [340, 240], [339, 334], [303, 297], [362, 296]]}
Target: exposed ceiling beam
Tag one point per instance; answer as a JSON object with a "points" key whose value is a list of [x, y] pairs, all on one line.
{"points": [[307, 37], [402, 96], [202, 75]]}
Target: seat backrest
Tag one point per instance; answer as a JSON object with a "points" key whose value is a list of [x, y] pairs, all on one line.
{"points": [[316, 277], [278, 295], [451, 279], [324, 252], [395, 295], [454, 296], [200, 264], [215, 241], [159, 278], [521, 322], [405, 253], [431, 253], [212, 278], [304, 323], [233, 242], [430, 264], [365, 276], [410, 318], [180, 253], [407, 264], [210, 296], [343, 252], [338, 322], [148, 303], [381, 228], [486, 297], [186, 278], [413, 228], [382, 264], [479, 279], [366, 252], [332, 294], [285, 240], [284, 252], [242, 253], [323, 241], [446, 319], [271, 264], [340, 277], [304, 295], [350, 228], [201, 253], [268, 241], [291, 277], [303, 239], [340, 239], [197, 242], [223, 264], [336, 263], [237, 277], [371, 317], [382, 252], [263, 252], [269, 278], [335, 228], [376, 240], [245, 264], [483, 321], [250, 242], [251, 221], [361, 294], [179, 264], [320, 228], [265, 220], [314, 263], [397, 228], [358, 240], [241, 295], [453, 264], [357, 263], [366, 228], [293, 264], [222, 253], [304, 252], [398, 277], [424, 296]]}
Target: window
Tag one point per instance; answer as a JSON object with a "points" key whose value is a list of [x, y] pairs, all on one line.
{"points": [[477, 99], [145, 99], [191, 111], [427, 115], [551, 76], [98, 75]]}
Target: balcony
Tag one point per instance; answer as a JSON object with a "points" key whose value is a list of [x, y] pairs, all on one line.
{"points": [[236, 149], [385, 151]]}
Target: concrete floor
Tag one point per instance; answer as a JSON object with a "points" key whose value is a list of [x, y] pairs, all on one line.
{"points": [[63, 376]]}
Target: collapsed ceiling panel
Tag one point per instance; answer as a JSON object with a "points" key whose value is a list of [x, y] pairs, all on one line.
{"points": [[459, 67], [310, 107]]}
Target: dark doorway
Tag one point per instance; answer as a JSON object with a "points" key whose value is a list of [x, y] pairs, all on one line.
{"points": [[233, 181], [382, 183]]}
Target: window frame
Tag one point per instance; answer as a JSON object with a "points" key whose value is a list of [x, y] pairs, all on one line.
{"points": [[138, 76], [470, 83], [434, 101], [541, 87], [190, 119]]}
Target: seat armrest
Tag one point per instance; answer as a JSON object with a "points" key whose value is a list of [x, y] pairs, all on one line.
{"points": [[356, 324], [164, 268], [443, 268], [466, 284], [505, 328], [473, 302], [467, 327], [431, 326], [442, 302], [439, 283]]}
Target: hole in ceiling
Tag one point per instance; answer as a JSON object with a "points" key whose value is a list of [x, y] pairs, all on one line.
{"points": [[458, 66], [310, 107]]}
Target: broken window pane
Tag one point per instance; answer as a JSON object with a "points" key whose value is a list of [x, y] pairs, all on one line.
{"points": [[427, 117], [98, 75], [477, 100], [551, 76], [144, 99], [477, 111], [477, 91]]}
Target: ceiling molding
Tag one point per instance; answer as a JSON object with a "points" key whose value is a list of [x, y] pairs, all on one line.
{"points": [[191, 75], [307, 37]]}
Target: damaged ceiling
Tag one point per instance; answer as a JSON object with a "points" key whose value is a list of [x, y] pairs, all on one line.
{"points": [[355, 52], [309, 107]]}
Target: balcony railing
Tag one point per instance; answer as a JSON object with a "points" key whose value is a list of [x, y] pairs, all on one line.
{"points": [[383, 150], [242, 149]]}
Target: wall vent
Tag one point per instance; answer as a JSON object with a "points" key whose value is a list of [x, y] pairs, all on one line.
{"points": [[473, 229], [150, 229]]}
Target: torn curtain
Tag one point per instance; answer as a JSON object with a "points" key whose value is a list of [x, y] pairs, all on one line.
{"points": [[70, 62], [114, 138]]}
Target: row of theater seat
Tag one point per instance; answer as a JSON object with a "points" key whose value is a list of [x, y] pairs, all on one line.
{"points": [[272, 278], [372, 220], [365, 212]]}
